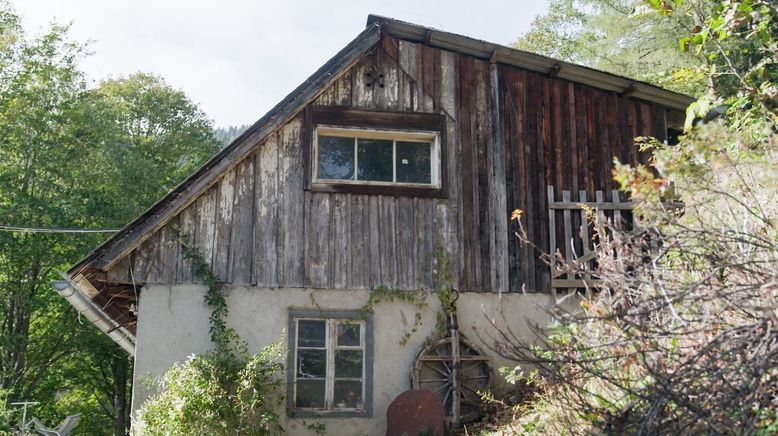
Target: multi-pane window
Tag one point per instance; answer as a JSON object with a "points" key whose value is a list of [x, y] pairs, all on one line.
{"points": [[381, 157], [330, 367]]}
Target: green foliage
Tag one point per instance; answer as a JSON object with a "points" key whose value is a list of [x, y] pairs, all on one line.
{"points": [[382, 294], [225, 391], [219, 394], [739, 42], [622, 37], [225, 338], [73, 156]]}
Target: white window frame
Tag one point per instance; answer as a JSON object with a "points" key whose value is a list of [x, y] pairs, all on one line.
{"points": [[393, 135], [331, 346]]}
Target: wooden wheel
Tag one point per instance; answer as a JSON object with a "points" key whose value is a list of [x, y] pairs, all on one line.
{"points": [[435, 370]]}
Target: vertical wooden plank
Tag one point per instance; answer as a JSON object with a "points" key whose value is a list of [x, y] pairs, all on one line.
{"points": [[468, 174], [387, 95], [187, 229], [568, 232], [388, 234], [429, 72], [375, 248], [591, 141], [632, 119], [540, 106], [585, 231], [407, 237], [242, 244], [484, 229], [361, 94], [205, 216], [290, 202], [221, 257], [447, 217], [497, 191], [144, 260], [120, 272], [409, 67], [573, 136], [168, 252], [343, 89], [266, 247], [616, 213], [552, 231], [320, 222], [360, 243], [341, 240]]}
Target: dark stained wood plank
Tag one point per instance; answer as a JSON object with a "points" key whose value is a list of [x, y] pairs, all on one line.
{"points": [[484, 232], [498, 186], [427, 98], [267, 225], [468, 174], [244, 218]]}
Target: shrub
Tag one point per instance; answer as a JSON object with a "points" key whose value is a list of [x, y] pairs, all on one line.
{"points": [[217, 393]]}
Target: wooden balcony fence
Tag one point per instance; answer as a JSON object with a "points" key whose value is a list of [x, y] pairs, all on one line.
{"points": [[567, 221]]}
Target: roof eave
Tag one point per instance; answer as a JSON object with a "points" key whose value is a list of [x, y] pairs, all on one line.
{"points": [[531, 61]]}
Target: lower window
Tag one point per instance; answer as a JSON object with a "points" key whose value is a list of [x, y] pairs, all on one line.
{"points": [[330, 363]]}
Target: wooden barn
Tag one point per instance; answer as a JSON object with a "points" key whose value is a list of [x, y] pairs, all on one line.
{"points": [[403, 155]]}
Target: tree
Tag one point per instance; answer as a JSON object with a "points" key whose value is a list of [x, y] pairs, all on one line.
{"points": [[683, 335], [75, 157], [622, 37]]}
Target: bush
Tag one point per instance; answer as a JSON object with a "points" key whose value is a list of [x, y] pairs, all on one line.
{"points": [[218, 393]]}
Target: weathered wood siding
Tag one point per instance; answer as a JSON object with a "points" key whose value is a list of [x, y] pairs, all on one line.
{"points": [[509, 134]]}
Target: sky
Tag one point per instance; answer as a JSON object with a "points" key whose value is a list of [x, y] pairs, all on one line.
{"points": [[237, 59]]}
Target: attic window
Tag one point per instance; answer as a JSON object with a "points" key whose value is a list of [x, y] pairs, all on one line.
{"points": [[375, 152], [377, 157]]}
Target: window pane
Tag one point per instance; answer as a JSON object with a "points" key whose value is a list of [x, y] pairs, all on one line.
{"points": [[375, 160], [311, 363], [348, 394], [348, 334], [310, 333], [348, 363], [310, 394], [413, 162], [336, 158]]}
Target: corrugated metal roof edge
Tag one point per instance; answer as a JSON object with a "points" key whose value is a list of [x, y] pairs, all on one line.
{"points": [[531, 61]]}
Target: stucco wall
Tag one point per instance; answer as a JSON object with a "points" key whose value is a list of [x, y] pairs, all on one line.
{"points": [[173, 324]]}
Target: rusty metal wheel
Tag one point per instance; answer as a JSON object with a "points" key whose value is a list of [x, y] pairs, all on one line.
{"points": [[436, 370]]}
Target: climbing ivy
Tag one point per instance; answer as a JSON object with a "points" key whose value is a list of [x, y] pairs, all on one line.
{"points": [[225, 338], [383, 294], [224, 391]]}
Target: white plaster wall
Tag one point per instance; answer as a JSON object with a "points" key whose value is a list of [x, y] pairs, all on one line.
{"points": [[173, 324]]}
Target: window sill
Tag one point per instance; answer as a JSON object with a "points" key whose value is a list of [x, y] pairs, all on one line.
{"points": [[327, 414], [392, 190]]}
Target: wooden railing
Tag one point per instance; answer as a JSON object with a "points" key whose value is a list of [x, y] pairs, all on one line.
{"points": [[578, 243]]}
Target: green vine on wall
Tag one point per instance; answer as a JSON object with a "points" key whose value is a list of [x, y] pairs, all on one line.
{"points": [[444, 289], [225, 338]]}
